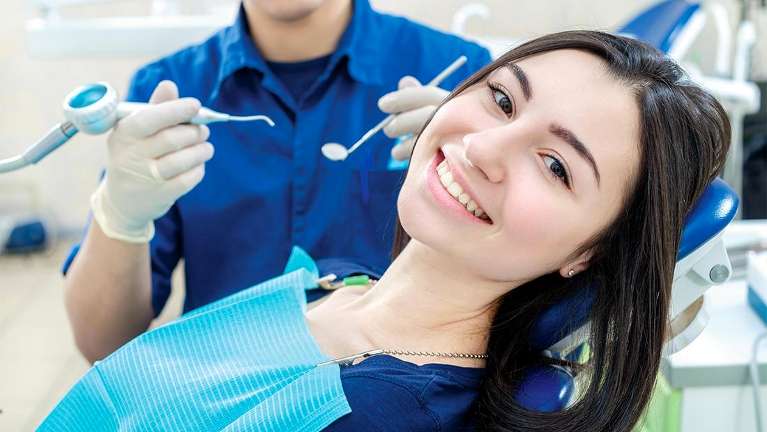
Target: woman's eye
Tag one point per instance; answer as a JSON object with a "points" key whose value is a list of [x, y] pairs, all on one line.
{"points": [[503, 101], [557, 169]]}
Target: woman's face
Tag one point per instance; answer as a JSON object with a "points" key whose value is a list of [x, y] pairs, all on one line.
{"points": [[513, 175]]}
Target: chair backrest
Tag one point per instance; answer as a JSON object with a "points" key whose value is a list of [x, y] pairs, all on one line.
{"points": [[661, 24]]}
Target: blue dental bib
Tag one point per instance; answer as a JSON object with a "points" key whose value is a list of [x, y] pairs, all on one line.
{"points": [[246, 362]]}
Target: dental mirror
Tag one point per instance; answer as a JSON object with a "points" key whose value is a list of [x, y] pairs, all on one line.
{"points": [[337, 152]]}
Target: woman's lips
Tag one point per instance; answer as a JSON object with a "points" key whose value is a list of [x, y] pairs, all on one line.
{"points": [[443, 197]]}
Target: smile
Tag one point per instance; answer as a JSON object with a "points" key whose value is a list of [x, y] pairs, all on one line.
{"points": [[456, 191], [449, 192]]}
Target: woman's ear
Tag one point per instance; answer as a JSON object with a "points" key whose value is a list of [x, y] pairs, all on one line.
{"points": [[577, 265]]}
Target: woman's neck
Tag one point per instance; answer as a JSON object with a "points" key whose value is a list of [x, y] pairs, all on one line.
{"points": [[424, 302]]}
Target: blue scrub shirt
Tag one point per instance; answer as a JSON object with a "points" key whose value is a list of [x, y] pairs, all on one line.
{"points": [[267, 189]]}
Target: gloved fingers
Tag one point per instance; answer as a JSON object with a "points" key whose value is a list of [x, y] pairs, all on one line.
{"points": [[409, 122], [177, 163], [138, 171], [408, 81], [155, 118], [165, 91], [186, 181], [173, 139], [403, 150], [410, 98]]}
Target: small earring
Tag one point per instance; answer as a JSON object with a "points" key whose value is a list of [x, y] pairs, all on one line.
{"points": [[571, 273]]}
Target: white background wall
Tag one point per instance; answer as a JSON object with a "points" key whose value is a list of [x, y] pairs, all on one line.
{"points": [[32, 89]]}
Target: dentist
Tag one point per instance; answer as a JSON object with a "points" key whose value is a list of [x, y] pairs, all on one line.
{"points": [[318, 68]]}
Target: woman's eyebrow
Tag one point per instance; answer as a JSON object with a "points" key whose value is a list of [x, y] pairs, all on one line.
{"points": [[522, 78], [569, 137], [565, 134]]}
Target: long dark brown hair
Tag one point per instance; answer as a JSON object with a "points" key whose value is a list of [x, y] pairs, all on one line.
{"points": [[683, 139]]}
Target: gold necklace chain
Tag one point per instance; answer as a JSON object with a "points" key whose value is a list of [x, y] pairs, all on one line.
{"points": [[435, 354], [326, 282], [349, 360]]}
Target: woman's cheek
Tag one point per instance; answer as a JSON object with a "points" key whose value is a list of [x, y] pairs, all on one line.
{"points": [[533, 218]]}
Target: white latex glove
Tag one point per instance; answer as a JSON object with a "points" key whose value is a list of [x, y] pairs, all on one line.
{"points": [[152, 160], [414, 105]]}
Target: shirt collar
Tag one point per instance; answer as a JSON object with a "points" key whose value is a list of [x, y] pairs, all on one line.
{"points": [[238, 50], [360, 44]]}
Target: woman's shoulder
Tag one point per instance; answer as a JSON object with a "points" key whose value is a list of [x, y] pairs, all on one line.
{"points": [[387, 394]]}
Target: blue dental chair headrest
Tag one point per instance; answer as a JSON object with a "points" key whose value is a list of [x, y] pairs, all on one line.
{"points": [[549, 388], [715, 208]]}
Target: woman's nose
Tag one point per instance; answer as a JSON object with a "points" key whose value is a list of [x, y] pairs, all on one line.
{"points": [[483, 153]]}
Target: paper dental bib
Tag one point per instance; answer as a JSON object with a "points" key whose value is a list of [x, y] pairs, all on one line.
{"points": [[246, 362]]}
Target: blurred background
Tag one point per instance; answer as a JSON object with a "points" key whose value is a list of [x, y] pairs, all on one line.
{"points": [[49, 47]]}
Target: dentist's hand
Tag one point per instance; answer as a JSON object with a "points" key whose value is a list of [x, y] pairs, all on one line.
{"points": [[153, 159], [414, 105]]}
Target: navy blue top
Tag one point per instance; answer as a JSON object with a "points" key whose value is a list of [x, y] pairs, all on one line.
{"points": [[298, 77], [267, 189], [388, 394]]}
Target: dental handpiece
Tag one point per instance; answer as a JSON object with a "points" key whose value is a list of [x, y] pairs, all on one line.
{"points": [[94, 109]]}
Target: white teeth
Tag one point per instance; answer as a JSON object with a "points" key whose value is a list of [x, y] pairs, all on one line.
{"points": [[454, 189], [446, 178]]}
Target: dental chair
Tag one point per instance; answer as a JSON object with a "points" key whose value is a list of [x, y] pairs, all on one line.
{"points": [[669, 26]]}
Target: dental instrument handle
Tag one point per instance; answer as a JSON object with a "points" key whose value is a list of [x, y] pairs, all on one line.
{"points": [[371, 132], [447, 71], [55, 138], [204, 116], [435, 81]]}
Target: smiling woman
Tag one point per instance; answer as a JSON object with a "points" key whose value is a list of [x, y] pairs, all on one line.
{"points": [[584, 152]]}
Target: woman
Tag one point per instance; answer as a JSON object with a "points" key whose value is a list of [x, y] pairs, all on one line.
{"points": [[573, 159], [579, 153]]}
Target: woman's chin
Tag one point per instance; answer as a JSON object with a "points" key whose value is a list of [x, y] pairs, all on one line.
{"points": [[427, 226]]}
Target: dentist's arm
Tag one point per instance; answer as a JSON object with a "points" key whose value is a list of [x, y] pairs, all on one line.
{"points": [[153, 159]]}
